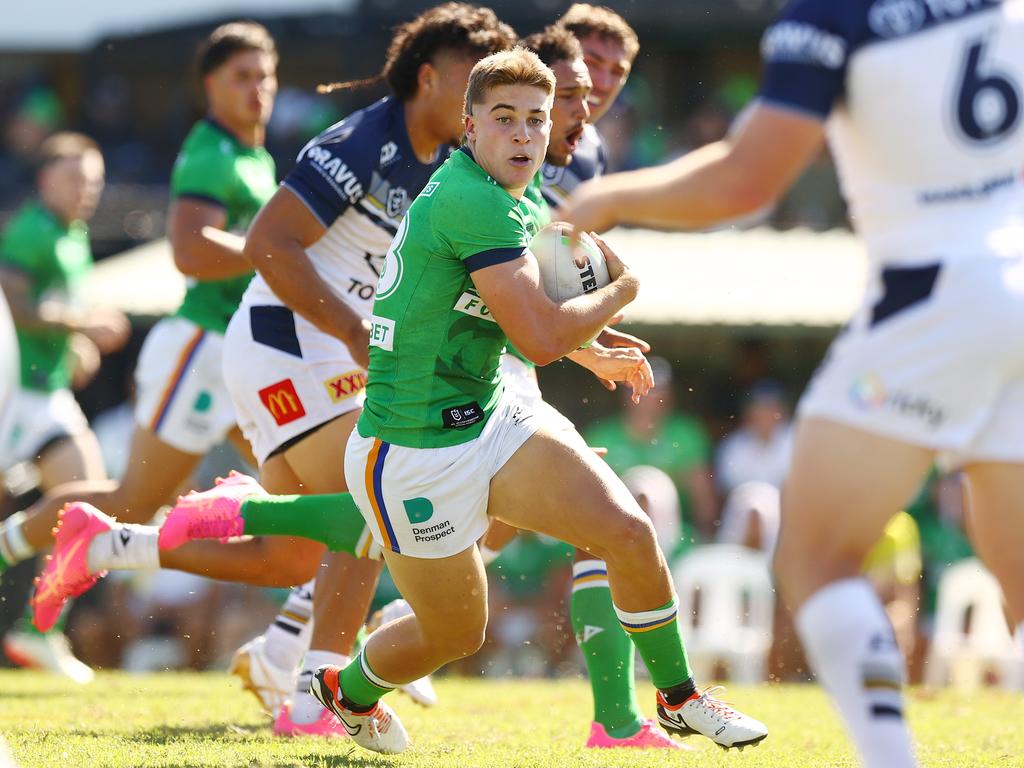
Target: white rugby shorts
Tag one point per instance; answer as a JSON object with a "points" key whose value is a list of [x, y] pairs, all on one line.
{"points": [[286, 376], [180, 392], [934, 357], [432, 502], [521, 381], [34, 419]]}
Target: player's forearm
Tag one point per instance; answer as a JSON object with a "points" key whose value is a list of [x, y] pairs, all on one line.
{"points": [[210, 254], [578, 321], [701, 190], [293, 279]]}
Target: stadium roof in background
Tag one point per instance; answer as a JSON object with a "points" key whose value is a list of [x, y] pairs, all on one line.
{"points": [[69, 25], [758, 277]]}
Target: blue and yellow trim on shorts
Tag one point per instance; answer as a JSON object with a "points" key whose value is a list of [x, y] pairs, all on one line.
{"points": [[374, 472]]}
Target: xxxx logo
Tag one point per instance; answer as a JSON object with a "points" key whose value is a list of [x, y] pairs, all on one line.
{"points": [[282, 401], [346, 385]]}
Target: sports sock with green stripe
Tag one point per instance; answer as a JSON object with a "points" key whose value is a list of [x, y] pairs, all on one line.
{"points": [[361, 688], [333, 519], [658, 639], [607, 650]]}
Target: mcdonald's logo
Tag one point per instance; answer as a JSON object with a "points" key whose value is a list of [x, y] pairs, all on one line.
{"points": [[282, 401]]}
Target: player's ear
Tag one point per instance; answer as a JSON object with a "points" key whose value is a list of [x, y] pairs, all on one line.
{"points": [[426, 77], [469, 126]]}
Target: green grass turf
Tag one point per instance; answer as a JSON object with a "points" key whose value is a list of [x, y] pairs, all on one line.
{"points": [[194, 720]]}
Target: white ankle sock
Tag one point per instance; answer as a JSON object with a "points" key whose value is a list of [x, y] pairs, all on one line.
{"points": [[288, 637], [305, 708], [851, 646], [13, 546], [125, 548]]}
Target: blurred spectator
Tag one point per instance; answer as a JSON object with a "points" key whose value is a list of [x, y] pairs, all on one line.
{"points": [[529, 632], [38, 114], [760, 449], [894, 569], [653, 433], [751, 517], [656, 494]]}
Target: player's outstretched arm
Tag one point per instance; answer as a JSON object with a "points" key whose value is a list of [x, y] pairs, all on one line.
{"points": [[201, 247], [276, 247], [540, 328], [769, 147]]}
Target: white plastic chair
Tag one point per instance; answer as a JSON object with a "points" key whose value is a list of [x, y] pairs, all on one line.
{"points": [[732, 624], [963, 649]]}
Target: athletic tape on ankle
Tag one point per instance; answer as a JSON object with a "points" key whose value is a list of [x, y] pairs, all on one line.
{"points": [[589, 573], [13, 539], [645, 621]]}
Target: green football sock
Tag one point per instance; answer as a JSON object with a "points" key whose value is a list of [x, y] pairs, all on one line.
{"points": [[660, 643], [360, 686], [607, 650], [333, 519]]}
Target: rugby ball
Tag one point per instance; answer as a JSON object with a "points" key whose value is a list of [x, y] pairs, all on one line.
{"points": [[566, 271]]}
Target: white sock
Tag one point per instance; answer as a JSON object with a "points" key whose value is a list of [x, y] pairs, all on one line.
{"points": [[13, 546], [125, 548], [852, 649], [305, 708], [288, 637]]}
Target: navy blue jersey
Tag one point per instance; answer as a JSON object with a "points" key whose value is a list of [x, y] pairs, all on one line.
{"points": [[589, 160], [923, 101], [358, 179]]}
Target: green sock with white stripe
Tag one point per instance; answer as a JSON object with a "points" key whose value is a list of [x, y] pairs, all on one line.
{"points": [[657, 637], [607, 650], [333, 519], [361, 688], [13, 546]]}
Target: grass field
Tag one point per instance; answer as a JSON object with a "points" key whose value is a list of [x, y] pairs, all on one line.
{"points": [[198, 720]]}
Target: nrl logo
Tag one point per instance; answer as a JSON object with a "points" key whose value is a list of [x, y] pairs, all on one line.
{"points": [[396, 202]]}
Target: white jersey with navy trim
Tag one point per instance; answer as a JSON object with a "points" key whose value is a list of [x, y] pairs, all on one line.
{"points": [[589, 160], [923, 101], [358, 178]]}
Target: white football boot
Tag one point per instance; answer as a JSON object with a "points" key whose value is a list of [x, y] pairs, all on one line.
{"points": [[268, 682], [378, 730], [50, 651], [704, 714]]}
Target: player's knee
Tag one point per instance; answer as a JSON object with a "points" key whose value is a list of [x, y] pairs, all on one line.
{"points": [[458, 639], [633, 539]]}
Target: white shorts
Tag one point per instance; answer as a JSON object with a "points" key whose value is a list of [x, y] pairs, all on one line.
{"points": [[933, 357], [180, 393], [521, 381], [34, 420], [432, 502], [286, 376]]}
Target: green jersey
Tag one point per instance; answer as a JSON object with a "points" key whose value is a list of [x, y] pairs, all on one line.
{"points": [[215, 167], [434, 347], [55, 258]]}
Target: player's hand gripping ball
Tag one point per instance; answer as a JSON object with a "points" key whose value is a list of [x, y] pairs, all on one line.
{"points": [[567, 271]]}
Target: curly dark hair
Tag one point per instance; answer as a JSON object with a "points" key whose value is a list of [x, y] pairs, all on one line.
{"points": [[459, 27]]}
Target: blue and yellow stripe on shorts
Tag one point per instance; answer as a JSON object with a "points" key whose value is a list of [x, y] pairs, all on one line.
{"points": [[374, 471]]}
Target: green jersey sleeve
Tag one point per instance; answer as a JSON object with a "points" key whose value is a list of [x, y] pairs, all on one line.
{"points": [[28, 247], [205, 173], [482, 230]]}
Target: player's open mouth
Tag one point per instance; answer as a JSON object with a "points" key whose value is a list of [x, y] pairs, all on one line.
{"points": [[520, 161], [572, 138]]}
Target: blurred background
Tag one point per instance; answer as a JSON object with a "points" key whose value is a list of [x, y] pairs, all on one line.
{"points": [[738, 319]]}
